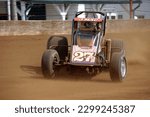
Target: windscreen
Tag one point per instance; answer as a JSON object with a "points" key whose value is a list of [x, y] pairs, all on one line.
{"points": [[85, 38]]}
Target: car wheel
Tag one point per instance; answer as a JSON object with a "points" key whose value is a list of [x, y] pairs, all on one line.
{"points": [[48, 64], [118, 67], [60, 44]]}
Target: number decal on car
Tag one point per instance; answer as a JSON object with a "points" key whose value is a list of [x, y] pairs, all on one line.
{"points": [[83, 56]]}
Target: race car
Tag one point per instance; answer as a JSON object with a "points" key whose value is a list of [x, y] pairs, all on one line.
{"points": [[89, 50]]}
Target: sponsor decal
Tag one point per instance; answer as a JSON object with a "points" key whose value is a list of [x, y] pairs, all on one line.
{"points": [[88, 19]]}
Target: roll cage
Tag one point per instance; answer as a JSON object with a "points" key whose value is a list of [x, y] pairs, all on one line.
{"points": [[89, 16], [91, 23]]}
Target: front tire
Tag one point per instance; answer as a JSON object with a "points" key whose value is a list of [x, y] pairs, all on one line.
{"points": [[118, 67], [48, 64]]}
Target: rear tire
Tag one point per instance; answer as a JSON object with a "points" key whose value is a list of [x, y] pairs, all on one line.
{"points": [[49, 59], [60, 44], [117, 46], [118, 67]]}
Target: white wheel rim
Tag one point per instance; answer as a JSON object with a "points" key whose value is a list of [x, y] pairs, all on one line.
{"points": [[123, 67]]}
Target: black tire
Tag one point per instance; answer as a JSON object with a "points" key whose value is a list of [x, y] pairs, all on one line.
{"points": [[118, 67], [49, 59], [60, 44], [117, 46]]}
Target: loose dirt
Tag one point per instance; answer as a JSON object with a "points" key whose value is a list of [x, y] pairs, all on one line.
{"points": [[21, 77]]}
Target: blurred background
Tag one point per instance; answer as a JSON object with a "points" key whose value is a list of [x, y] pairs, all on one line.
{"points": [[65, 9]]}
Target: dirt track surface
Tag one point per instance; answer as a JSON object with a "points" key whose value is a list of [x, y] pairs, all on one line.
{"points": [[21, 77]]}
